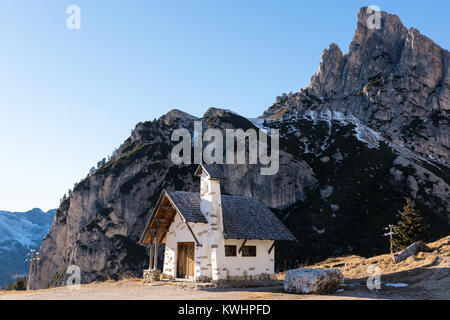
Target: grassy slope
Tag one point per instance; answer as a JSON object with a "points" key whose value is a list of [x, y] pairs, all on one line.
{"points": [[426, 274]]}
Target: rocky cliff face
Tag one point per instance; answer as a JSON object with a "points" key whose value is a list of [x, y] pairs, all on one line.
{"points": [[393, 79], [370, 130]]}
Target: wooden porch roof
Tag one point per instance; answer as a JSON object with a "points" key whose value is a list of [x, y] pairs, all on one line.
{"points": [[186, 204]]}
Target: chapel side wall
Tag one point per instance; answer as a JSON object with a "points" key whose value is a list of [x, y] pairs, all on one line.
{"points": [[251, 266]]}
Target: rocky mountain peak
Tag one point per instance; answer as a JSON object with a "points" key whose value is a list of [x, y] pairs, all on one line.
{"points": [[329, 70], [393, 79], [216, 112], [371, 51], [390, 24], [176, 115]]}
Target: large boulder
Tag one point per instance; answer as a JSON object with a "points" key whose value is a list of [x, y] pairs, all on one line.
{"points": [[412, 250], [309, 280]]}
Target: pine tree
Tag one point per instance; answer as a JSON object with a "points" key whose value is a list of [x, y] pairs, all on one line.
{"points": [[410, 228]]}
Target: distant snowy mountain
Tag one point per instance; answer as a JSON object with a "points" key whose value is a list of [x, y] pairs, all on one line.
{"points": [[20, 232]]}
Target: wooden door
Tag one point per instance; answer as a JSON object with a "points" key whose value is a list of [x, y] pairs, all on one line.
{"points": [[185, 260]]}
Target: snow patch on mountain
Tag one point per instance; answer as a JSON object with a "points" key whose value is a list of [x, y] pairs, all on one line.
{"points": [[259, 123], [23, 228], [363, 133]]}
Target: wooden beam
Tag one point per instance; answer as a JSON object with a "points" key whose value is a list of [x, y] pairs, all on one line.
{"points": [[160, 229], [271, 247], [242, 246], [198, 244], [162, 236], [166, 208], [155, 262], [162, 220], [151, 252]]}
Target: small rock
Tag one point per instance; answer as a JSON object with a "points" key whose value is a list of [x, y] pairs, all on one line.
{"points": [[304, 139], [338, 156], [334, 207], [325, 159], [327, 192]]}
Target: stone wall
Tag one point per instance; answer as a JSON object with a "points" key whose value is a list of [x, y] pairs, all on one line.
{"points": [[151, 276]]}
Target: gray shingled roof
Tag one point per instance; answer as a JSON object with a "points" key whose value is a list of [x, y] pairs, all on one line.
{"points": [[188, 203], [248, 218], [213, 170], [243, 218]]}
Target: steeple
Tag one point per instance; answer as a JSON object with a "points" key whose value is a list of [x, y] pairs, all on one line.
{"points": [[211, 207]]}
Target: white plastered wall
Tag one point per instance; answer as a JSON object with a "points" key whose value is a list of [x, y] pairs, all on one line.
{"points": [[179, 232], [234, 266], [264, 261]]}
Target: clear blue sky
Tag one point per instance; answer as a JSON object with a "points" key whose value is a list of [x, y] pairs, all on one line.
{"points": [[68, 98]]}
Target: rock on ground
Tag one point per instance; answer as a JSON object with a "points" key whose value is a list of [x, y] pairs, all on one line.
{"points": [[313, 281], [412, 250]]}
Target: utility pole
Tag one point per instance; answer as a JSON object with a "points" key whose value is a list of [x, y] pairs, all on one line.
{"points": [[33, 257], [390, 234]]}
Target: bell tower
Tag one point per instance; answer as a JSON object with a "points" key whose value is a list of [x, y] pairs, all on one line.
{"points": [[211, 207]]}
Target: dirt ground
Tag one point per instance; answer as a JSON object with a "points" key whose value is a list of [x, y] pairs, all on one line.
{"points": [[135, 290], [427, 276]]}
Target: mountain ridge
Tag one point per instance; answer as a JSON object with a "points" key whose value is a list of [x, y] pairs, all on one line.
{"points": [[344, 172], [20, 232]]}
